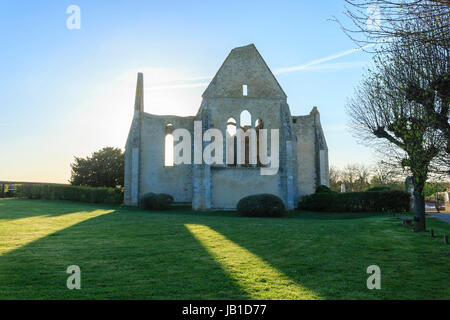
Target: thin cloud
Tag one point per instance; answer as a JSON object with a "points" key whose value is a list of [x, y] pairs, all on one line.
{"points": [[315, 65], [178, 86], [319, 61], [336, 66]]}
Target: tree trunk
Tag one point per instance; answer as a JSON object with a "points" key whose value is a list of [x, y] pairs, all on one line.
{"points": [[419, 211]]}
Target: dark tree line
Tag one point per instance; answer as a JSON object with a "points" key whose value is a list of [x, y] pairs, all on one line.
{"points": [[105, 168], [359, 177]]}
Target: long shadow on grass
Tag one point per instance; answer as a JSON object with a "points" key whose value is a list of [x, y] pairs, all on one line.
{"points": [[312, 254], [11, 209], [323, 254], [133, 254], [136, 254], [126, 254], [330, 257]]}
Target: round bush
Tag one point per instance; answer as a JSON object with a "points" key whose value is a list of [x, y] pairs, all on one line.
{"points": [[261, 205], [323, 189], [156, 201]]}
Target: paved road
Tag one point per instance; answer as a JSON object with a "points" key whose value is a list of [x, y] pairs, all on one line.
{"points": [[441, 216]]}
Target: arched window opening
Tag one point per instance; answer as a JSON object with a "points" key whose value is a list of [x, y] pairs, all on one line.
{"points": [[246, 119], [245, 124], [168, 143], [231, 126], [259, 124], [231, 149]]}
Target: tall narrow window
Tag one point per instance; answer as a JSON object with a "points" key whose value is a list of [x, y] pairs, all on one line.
{"points": [[259, 124], [246, 119], [244, 90], [231, 147], [168, 144], [245, 124], [231, 126]]}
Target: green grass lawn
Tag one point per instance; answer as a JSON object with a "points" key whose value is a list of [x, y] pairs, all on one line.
{"points": [[127, 253]]}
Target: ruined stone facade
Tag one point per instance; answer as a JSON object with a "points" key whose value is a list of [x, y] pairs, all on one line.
{"points": [[303, 153]]}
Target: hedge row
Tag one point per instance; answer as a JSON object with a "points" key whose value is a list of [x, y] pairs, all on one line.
{"points": [[386, 201], [72, 193], [8, 194], [378, 189]]}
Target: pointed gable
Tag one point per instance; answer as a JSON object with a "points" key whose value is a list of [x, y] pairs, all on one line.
{"points": [[244, 66]]}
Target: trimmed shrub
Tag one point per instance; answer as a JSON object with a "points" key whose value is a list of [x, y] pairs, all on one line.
{"points": [[261, 205], [156, 201], [378, 189], [323, 189], [72, 193], [386, 201]]}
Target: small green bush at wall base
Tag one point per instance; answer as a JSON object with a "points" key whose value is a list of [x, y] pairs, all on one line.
{"points": [[261, 205], [156, 201]]}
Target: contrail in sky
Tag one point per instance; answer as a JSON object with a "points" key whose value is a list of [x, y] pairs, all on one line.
{"points": [[318, 61], [178, 86], [307, 66]]}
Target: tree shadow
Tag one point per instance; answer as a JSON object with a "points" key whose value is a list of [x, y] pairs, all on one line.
{"points": [[136, 254], [330, 258], [11, 209], [294, 214], [126, 254]]}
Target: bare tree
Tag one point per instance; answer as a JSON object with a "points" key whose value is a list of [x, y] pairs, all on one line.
{"points": [[417, 32], [385, 173], [349, 175], [381, 112], [335, 178], [355, 177], [381, 21], [363, 176], [422, 72]]}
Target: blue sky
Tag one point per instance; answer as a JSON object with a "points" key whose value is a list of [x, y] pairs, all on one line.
{"points": [[66, 93]]}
